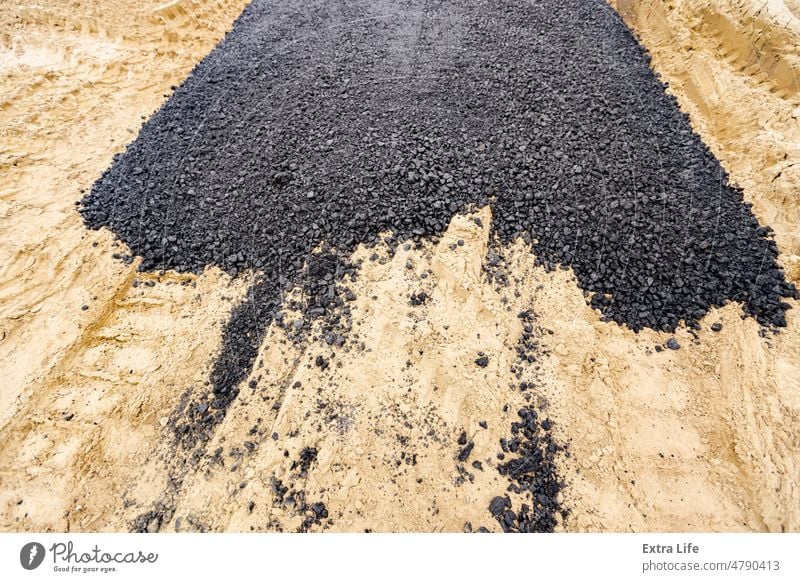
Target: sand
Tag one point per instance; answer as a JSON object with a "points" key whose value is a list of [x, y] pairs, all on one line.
{"points": [[701, 439], [76, 81]]}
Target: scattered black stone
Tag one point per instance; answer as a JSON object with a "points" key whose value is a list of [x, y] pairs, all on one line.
{"points": [[465, 452], [321, 362], [483, 424], [151, 521], [463, 476], [279, 490], [533, 475], [320, 512], [294, 501], [716, 327], [482, 361], [336, 137], [190, 523], [419, 298], [462, 438], [307, 456], [673, 344], [527, 345], [68, 416], [477, 465]]}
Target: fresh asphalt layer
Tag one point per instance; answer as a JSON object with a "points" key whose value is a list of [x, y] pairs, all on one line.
{"points": [[331, 122]]}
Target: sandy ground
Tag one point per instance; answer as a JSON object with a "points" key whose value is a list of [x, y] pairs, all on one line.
{"points": [[76, 81], [704, 438]]}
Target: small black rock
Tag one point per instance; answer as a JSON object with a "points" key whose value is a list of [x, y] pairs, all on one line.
{"points": [[498, 505], [463, 455], [319, 510]]}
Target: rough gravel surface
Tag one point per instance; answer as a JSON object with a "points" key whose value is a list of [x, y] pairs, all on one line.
{"points": [[333, 122]]}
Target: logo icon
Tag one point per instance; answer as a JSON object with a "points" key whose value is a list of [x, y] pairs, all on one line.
{"points": [[31, 555]]}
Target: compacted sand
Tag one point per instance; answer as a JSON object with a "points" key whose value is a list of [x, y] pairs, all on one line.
{"points": [[96, 358]]}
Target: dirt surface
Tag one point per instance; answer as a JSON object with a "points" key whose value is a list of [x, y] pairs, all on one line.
{"points": [[78, 407], [699, 438]]}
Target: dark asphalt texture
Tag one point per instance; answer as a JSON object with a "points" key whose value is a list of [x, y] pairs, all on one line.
{"points": [[334, 121]]}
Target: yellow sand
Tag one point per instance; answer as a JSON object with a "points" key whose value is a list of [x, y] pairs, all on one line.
{"points": [[705, 438]]}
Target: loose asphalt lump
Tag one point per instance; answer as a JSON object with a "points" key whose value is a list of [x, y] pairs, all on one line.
{"points": [[314, 128]]}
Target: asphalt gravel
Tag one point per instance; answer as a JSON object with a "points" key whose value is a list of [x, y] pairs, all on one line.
{"points": [[533, 475], [333, 122]]}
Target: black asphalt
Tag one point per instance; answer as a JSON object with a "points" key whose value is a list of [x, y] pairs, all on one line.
{"points": [[334, 121]]}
